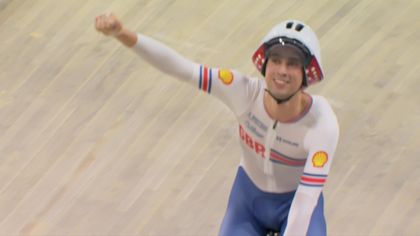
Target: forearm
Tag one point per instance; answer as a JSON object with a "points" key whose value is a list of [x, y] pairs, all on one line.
{"points": [[164, 58], [300, 214], [127, 37]]}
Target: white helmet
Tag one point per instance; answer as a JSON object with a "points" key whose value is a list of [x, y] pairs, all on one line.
{"points": [[297, 34]]}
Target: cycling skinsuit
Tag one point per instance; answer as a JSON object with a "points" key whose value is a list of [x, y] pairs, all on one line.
{"points": [[284, 165]]}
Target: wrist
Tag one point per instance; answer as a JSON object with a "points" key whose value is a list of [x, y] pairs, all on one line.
{"points": [[127, 37], [119, 32]]}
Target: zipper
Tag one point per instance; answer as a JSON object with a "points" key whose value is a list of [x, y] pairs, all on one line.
{"points": [[271, 135]]}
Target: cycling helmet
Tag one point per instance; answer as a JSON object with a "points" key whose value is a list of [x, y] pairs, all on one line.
{"points": [[299, 35]]}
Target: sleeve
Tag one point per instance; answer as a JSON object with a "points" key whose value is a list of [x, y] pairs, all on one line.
{"points": [[231, 87], [321, 142]]}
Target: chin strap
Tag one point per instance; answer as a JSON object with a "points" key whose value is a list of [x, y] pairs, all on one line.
{"points": [[279, 100]]}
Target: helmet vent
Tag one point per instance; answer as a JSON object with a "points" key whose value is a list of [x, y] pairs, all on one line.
{"points": [[289, 25], [299, 27]]}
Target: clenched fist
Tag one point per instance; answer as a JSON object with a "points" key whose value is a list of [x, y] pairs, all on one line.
{"points": [[108, 24]]}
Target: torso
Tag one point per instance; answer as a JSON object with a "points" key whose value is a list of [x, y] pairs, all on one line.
{"points": [[284, 146]]}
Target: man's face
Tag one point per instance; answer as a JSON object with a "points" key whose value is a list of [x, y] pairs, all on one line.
{"points": [[284, 71]]}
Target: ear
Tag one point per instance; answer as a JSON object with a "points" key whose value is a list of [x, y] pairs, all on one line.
{"points": [[264, 66], [304, 81]]}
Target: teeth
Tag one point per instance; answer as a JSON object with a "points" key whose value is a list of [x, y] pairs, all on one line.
{"points": [[280, 81]]}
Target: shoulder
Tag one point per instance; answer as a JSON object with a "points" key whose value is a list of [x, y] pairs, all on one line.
{"points": [[237, 76], [252, 86], [324, 115], [237, 90], [323, 129], [321, 103], [322, 108]]}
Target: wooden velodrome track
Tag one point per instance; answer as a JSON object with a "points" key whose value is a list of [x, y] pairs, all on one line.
{"points": [[93, 141]]}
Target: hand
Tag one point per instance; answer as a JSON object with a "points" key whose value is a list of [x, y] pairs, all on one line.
{"points": [[108, 24]]}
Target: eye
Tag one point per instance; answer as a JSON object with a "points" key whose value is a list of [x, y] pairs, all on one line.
{"points": [[293, 63], [276, 59]]}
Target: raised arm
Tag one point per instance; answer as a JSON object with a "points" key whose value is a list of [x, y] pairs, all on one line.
{"points": [[232, 88]]}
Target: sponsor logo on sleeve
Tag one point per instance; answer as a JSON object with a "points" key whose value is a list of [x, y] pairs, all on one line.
{"points": [[319, 159], [226, 76]]}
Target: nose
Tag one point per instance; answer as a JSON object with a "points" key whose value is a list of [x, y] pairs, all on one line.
{"points": [[281, 68]]}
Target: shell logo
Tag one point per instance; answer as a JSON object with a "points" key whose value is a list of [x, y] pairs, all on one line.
{"points": [[319, 159], [226, 76]]}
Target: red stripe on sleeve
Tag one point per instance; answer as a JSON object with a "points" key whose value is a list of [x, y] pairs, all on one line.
{"points": [[312, 180], [206, 79]]}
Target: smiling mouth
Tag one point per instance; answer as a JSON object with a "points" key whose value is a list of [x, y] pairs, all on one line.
{"points": [[281, 82]]}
